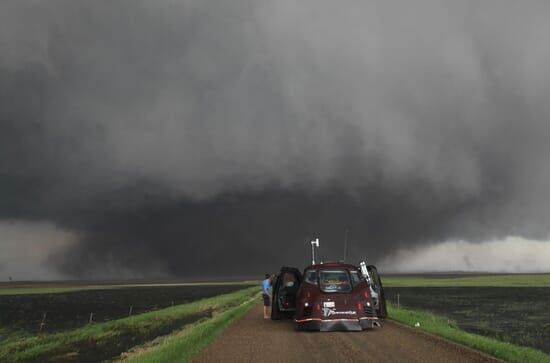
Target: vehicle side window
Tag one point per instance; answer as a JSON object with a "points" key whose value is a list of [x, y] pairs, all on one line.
{"points": [[310, 276], [355, 277], [375, 279]]}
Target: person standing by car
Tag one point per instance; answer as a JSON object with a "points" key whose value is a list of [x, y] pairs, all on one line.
{"points": [[266, 295]]}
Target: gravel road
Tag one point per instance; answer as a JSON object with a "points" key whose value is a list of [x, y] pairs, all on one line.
{"points": [[253, 339]]}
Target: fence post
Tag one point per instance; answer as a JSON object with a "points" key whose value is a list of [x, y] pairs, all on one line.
{"points": [[398, 300], [43, 322]]}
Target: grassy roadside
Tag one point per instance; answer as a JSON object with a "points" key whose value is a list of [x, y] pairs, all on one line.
{"points": [[113, 337], [440, 326], [182, 346], [535, 280]]}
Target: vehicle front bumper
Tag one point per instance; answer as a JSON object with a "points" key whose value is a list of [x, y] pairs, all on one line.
{"points": [[336, 324]]}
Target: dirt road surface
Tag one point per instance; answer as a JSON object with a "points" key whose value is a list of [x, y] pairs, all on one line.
{"points": [[253, 339]]}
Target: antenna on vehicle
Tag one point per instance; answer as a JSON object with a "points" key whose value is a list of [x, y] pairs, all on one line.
{"points": [[314, 243], [346, 245]]}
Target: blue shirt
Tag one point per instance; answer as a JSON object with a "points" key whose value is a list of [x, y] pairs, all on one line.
{"points": [[265, 286]]}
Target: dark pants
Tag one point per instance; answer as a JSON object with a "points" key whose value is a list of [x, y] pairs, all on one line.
{"points": [[267, 300]]}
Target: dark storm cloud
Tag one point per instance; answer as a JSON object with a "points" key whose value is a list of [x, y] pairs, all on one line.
{"points": [[212, 137]]}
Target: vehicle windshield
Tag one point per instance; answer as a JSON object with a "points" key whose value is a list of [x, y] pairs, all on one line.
{"points": [[334, 281]]}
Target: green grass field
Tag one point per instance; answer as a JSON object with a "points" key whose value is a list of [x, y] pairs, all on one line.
{"points": [[540, 280], [48, 290], [36, 288], [520, 280], [95, 340], [442, 327]]}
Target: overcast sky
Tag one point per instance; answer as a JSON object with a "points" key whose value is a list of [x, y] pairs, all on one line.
{"points": [[212, 138]]}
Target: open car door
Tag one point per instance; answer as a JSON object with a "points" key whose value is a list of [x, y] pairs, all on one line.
{"points": [[285, 289], [380, 304]]}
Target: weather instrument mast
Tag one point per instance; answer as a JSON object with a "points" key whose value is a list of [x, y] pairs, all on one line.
{"points": [[365, 271], [314, 243]]}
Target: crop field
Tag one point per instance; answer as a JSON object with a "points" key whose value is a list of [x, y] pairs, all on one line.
{"points": [[55, 312], [107, 339], [467, 280], [518, 314]]}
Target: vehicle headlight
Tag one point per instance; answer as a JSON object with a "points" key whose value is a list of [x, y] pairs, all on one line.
{"points": [[306, 304]]}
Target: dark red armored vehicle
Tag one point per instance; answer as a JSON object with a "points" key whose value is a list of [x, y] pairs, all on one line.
{"points": [[330, 296]]}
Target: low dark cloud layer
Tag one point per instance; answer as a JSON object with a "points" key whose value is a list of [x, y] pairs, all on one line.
{"points": [[213, 137]]}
